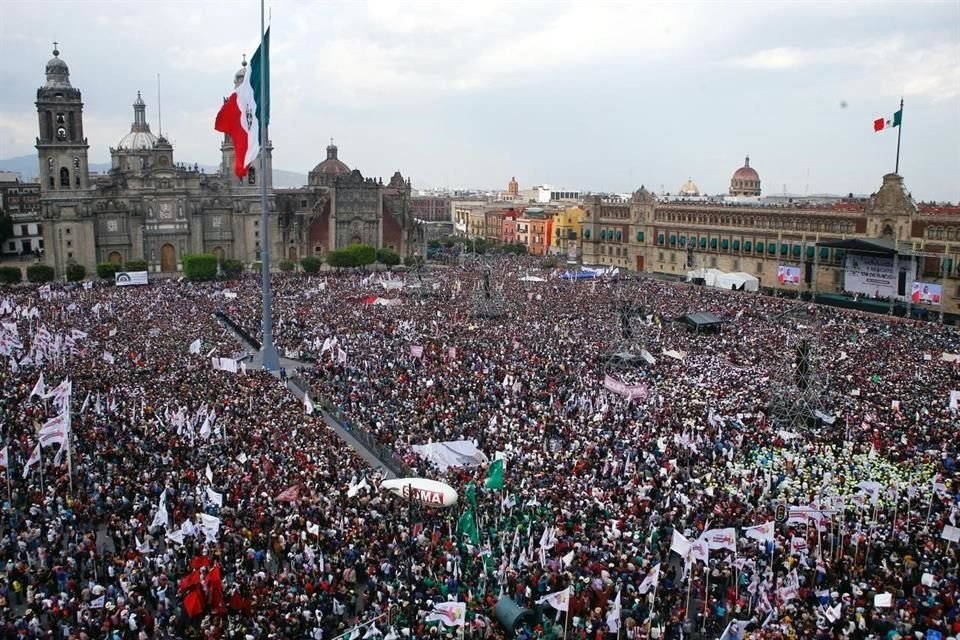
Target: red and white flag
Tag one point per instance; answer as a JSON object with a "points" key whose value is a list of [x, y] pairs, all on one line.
{"points": [[32, 460]]}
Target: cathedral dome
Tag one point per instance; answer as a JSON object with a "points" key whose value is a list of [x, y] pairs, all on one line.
{"points": [[332, 166], [746, 172], [140, 136], [58, 74], [689, 188]]}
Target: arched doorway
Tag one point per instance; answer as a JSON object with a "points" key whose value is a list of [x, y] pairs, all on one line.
{"points": [[168, 258], [292, 254], [115, 258], [218, 252]]}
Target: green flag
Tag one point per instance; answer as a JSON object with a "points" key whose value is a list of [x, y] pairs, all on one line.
{"points": [[471, 492], [494, 475], [467, 525]]}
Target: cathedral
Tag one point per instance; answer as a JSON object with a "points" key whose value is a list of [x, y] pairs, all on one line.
{"points": [[149, 207]]}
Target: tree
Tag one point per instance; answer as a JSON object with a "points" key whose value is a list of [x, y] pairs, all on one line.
{"points": [[10, 275], [310, 264], [338, 259], [287, 265], [40, 273], [76, 272], [106, 270], [200, 266], [231, 268], [388, 257], [360, 255], [134, 265]]}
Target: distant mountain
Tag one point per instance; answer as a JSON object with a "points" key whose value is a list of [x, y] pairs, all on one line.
{"points": [[27, 167]]}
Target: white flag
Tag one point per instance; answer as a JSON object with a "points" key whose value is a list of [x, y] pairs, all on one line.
{"points": [[651, 581], [5, 457], [97, 603], [721, 538], [108, 357], [568, 559], [613, 615], [209, 474], [160, 518], [760, 532], [39, 389], [210, 526], [34, 459], [341, 356], [214, 497], [308, 405], [680, 544], [195, 346], [451, 614], [559, 600], [143, 547]]}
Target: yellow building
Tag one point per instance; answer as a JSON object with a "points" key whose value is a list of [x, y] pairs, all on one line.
{"points": [[567, 230]]}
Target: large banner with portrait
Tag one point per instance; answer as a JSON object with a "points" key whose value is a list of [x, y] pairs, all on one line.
{"points": [[873, 275], [787, 274], [926, 293]]}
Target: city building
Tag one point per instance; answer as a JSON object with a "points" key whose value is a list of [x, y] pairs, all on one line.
{"points": [[545, 194], [513, 187], [745, 181], [534, 229], [567, 229], [673, 237], [431, 208], [21, 201], [150, 207]]}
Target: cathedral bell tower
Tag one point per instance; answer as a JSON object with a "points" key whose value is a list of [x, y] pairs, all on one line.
{"points": [[61, 147]]}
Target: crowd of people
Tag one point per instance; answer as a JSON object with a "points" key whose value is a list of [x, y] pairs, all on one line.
{"points": [[202, 501]]}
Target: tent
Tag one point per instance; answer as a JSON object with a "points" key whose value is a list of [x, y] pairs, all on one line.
{"points": [[531, 279], [701, 322], [723, 280]]}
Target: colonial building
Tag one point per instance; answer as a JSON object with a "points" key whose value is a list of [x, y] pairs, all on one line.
{"points": [[673, 237], [21, 201], [152, 208], [339, 207]]}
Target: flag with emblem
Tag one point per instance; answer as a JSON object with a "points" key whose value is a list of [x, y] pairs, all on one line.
{"points": [[451, 614], [888, 122], [240, 115]]}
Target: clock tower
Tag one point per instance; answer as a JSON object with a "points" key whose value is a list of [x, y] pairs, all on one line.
{"points": [[61, 146]]}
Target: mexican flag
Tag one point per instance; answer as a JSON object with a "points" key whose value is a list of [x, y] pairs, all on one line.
{"points": [[888, 123], [240, 114]]}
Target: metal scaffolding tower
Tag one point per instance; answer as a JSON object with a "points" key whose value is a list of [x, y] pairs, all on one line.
{"points": [[798, 385]]}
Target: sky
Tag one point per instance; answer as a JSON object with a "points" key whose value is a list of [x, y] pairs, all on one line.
{"points": [[599, 96]]}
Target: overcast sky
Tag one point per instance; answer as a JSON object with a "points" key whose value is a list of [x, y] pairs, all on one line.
{"points": [[594, 95]]}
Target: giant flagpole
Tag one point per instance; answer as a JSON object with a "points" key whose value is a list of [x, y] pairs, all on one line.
{"points": [[268, 353], [896, 167]]}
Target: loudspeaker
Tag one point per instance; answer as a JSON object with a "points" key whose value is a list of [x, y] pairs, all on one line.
{"points": [[808, 273], [902, 284], [512, 616]]}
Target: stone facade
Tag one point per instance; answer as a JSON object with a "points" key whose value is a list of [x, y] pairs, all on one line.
{"points": [[644, 234], [151, 208]]}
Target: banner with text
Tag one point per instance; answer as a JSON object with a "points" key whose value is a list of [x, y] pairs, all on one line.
{"points": [[873, 275], [127, 278]]}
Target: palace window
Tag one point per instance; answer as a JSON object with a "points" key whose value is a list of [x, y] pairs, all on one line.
{"points": [[251, 176], [65, 177]]}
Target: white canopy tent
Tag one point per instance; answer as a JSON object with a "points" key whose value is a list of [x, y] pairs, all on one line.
{"points": [[723, 280]]}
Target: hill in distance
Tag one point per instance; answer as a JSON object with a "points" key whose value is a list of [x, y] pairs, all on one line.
{"points": [[27, 167]]}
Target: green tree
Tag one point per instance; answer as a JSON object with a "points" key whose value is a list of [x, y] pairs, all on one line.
{"points": [[310, 264], [10, 275], [287, 265], [134, 265], [200, 266], [76, 272], [360, 255], [40, 273], [231, 268], [106, 270], [338, 259], [388, 257]]}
